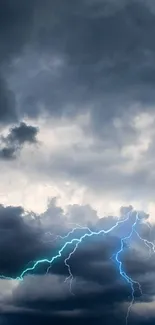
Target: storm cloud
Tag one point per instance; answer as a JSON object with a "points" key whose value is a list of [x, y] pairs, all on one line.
{"points": [[96, 283], [77, 121]]}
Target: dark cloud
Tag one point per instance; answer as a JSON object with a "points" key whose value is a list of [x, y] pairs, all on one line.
{"points": [[25, 236], [8, 153], [97, 280], [106, 54], [17, 137], [7, 103], [106, 61], [16, 20], [20, 239]]}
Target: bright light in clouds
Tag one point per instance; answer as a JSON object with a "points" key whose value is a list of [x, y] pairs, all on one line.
{"points": [[25, 182]]}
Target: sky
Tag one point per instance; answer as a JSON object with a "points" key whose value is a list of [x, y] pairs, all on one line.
{"points": [[77, 143]]}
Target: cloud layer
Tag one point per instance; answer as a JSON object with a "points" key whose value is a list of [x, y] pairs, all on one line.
{"points": [[97, 281], [77, 123]]}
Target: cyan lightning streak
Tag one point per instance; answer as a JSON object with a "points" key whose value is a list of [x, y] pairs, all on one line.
{"points": [[68, 243], [65, 237], [78, 240], [69, 233]]}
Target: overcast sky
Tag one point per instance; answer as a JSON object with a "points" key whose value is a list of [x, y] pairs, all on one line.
{"points": [[77, 143]]}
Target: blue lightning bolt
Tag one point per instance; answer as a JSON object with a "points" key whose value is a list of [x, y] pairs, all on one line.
{"points": [[123, 273]]}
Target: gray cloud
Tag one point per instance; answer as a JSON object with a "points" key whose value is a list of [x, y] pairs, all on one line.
{"points": [[7, 103], [107, 61], [96, 58], [22, 133], [107, 54], [16, 21], [17, 137]]}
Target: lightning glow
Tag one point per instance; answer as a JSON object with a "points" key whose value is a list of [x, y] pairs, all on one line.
{"points": [[76, 241]]}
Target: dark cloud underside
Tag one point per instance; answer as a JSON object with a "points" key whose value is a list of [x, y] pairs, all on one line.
{"points": [[98, 287], [108, 60], [108, 51]]}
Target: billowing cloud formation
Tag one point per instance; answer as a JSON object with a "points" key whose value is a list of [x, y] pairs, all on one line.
{"points": [[97, 281]]}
